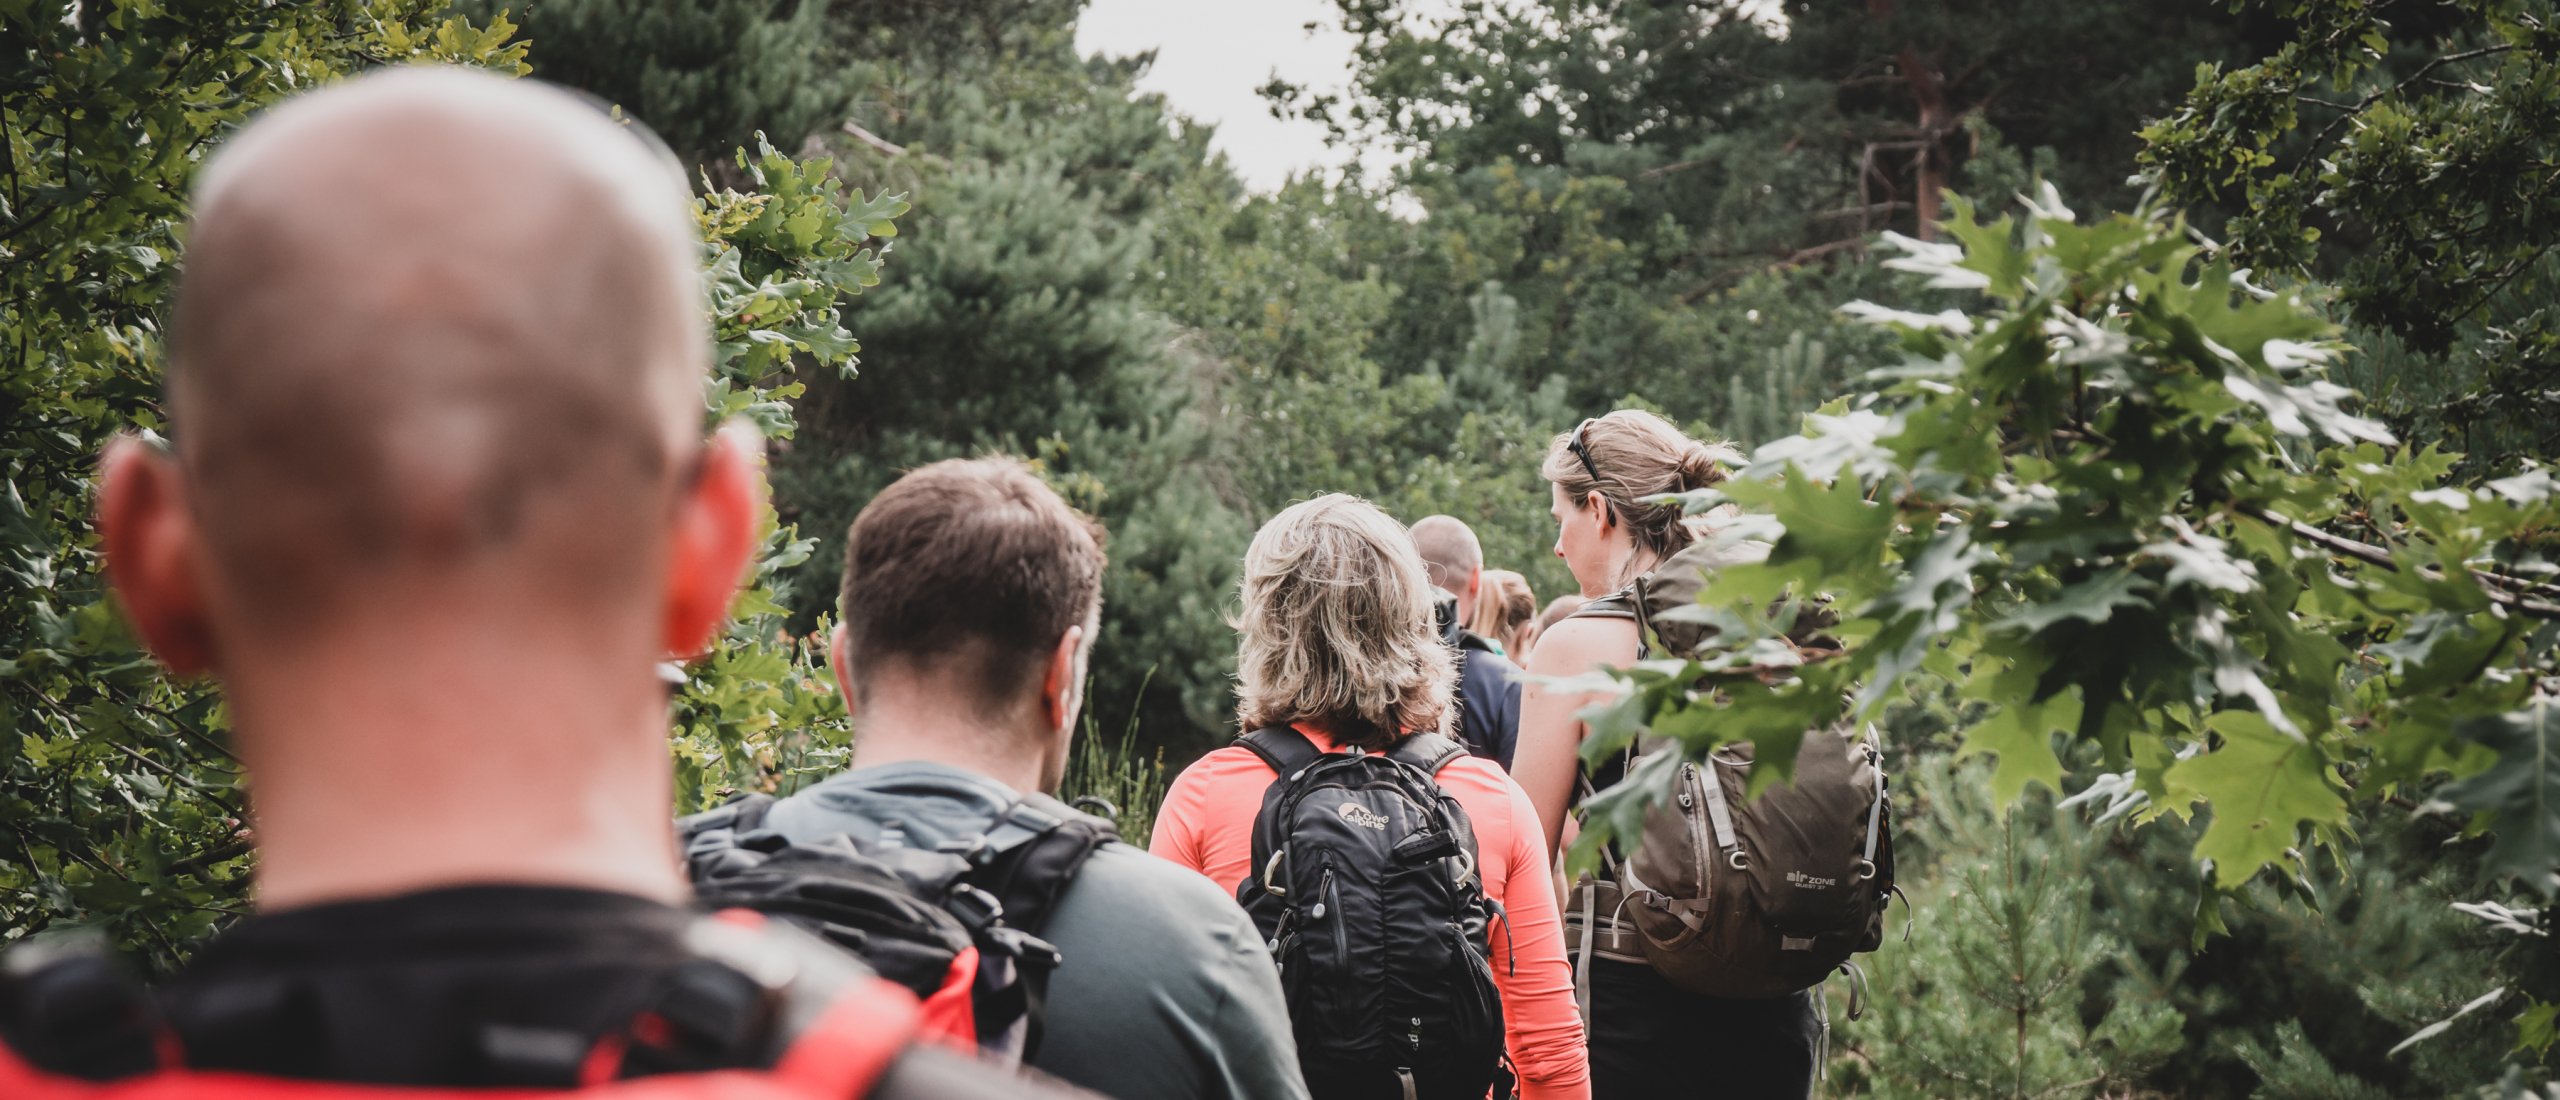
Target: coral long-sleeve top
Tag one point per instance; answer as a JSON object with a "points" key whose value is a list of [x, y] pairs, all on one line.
{"points": [[1206, 824]]}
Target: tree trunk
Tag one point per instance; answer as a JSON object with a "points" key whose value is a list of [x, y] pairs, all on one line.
{"points": [[1929, 95], [1929, 165]]}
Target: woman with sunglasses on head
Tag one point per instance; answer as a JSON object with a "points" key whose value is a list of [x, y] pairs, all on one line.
{"points": [[1649, 1038]]}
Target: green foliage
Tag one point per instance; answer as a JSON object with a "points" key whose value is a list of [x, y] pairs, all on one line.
{"points": [[119, 803], [2048, 952], [2520, 791], [1668, 189], [118, 796], [2318, 981], [1091, 290], [2119, 486], [1116, 777], [1993, 995], [706, 75], [2408, 158], [760, 712], [1019, 324]]}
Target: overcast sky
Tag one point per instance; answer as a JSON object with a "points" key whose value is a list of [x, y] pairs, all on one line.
{"points": [[1212, 54]]}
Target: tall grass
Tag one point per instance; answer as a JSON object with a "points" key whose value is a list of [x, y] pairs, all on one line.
{"points": [[1116, 777]]}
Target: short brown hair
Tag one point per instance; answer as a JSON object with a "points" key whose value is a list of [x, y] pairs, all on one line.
{"points": [[974, 560]]}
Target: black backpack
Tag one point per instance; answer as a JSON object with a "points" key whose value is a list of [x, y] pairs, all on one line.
{"points": [[915, 914], [1365, 886]]}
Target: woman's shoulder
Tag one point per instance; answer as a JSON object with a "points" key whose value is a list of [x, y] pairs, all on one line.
{"points": [[1481, 786], [1225, 764], [1579, 644]]}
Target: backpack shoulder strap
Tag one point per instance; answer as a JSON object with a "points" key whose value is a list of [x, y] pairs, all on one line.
{"points": [[848, 1047], [1032, 854], [710, 841], [1620, 604], [1427, 751], [762, 992], [72, 1009], [1286, 750], [743, 814]]}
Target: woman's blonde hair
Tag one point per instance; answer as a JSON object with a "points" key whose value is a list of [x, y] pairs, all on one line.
{"points": [[1637, 455], [1504, 606], [1337, 629]]}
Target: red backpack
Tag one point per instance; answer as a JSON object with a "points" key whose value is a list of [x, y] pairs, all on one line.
{"points": [[851, 1035]]}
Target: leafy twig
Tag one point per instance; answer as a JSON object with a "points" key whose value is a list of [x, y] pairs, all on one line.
{"points": [[2320, 141], [2499, 587]]}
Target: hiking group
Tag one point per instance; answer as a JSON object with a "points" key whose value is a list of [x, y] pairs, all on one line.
{"points": [[440, 503]]}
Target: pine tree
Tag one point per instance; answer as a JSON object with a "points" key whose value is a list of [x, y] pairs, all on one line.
{"points": [[1991, 994], [706, 75]]}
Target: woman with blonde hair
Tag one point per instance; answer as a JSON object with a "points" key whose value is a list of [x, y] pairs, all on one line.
{"points": [[1338, 654], [1649, 1038], [1506, 611]]}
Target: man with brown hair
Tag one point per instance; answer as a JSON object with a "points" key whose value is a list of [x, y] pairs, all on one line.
{"points": [[971, 596], [439, 504]]}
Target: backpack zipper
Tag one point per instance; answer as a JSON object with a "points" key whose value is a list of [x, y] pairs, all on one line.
{"points": [[1699, 843], [1329, 905]]}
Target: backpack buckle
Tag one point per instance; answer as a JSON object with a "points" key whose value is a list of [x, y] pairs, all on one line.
{"points": [[1025, 949], [975, 907]]}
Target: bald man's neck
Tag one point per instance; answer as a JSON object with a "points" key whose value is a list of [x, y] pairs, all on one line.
{"points": [[446, 751]]}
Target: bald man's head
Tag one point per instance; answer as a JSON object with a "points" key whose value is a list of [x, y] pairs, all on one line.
{"points": [[432, 322], [1450, 552]]}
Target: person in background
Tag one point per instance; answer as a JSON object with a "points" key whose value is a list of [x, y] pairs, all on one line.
{"points": [[1335, 642], [1555, 612], [971, 595], [439, 506], [1488, 683], [1649, 1038], [1506, 612]]}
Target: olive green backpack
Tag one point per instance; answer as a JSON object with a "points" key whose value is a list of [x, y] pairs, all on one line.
{"points": [[1737, 896]]}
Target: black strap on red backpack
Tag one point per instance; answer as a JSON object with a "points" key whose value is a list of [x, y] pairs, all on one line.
{"points": [[761, 1010]]}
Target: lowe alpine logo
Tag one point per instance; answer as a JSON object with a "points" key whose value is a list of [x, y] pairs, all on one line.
{"points": [[1364, 817], [1802, 880]]}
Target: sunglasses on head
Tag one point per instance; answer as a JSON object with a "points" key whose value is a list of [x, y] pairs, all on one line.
{"points": [[1575, 445]]}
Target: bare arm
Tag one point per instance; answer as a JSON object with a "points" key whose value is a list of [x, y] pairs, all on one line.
{"points": [[1550, 735]]}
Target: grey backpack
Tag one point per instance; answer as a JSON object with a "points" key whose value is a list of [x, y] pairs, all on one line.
{"points": [[1735, 896]]}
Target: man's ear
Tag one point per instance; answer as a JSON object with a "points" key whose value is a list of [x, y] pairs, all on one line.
{"points": [[1475, 587], [1062, 687], [155, 554], [840, 663], [714, 538]]}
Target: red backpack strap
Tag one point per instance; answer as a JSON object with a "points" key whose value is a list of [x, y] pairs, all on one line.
{"points": [[844, 1052]]}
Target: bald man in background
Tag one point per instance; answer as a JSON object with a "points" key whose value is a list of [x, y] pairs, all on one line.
{"points": [[1488, 683], [440, 503]]}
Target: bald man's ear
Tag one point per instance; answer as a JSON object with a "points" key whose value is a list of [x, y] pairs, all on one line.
{"points": [[715, 537], [155, 554]]}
